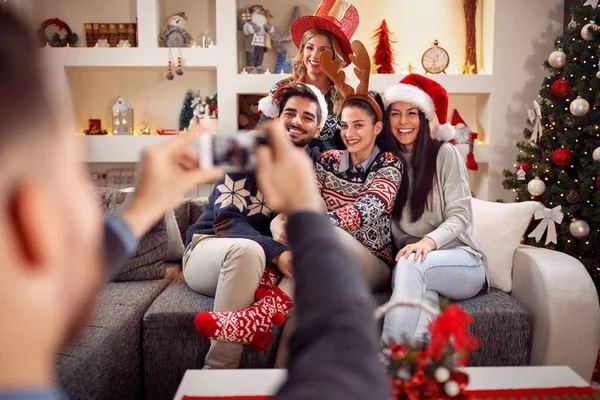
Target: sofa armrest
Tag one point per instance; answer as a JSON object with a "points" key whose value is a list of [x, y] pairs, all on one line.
{"points": [[560, 295]]}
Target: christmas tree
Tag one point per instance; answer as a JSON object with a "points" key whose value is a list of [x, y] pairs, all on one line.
{"points": [[559, 162], [384, 53], [186, 114]]}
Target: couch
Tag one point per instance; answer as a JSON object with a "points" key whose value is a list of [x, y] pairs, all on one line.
{"points": [[141, 338]]}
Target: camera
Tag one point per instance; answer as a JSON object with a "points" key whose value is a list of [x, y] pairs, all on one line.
{"points": [[231, 153]]}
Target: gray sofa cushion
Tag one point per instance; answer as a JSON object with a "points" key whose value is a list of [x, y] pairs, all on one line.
{"points": [[504, 328], [172, 345], [105, 361], [147, 262]]}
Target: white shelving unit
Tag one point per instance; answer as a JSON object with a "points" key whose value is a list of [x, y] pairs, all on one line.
{"points": [[83, 77]]}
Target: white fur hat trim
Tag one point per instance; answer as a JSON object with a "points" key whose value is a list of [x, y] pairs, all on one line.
{"points": [[410, 94], [444, 132]]}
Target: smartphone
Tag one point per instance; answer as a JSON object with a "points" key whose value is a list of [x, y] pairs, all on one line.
{"points": [[231, 153]]}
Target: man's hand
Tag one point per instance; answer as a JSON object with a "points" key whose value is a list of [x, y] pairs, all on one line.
{"points": [[284, 263], [286, 174], [419, 249], [278, 226], [169, 170]]}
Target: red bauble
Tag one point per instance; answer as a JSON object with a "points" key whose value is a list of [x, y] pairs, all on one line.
{"points": [[562, 157], [526, 167], [561, 88], [598, 182]]}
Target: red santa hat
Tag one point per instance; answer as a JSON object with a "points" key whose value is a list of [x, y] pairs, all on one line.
{"points": [[428, 96], [464, 135]]}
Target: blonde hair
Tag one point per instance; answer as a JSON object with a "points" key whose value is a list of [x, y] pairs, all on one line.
{"points": [[299, 69]]}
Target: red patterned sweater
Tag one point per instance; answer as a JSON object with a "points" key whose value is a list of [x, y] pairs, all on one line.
{"points": [[361, 203]]}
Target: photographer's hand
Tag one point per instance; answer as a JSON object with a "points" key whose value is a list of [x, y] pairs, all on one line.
{"points": [[169, 170], [286, 174]]}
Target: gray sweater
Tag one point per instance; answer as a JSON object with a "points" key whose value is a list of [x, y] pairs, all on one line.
{"points": [[448, 220]]}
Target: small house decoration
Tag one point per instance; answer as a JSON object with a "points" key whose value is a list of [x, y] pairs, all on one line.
{"points": [[122, 117], [521, 174]]}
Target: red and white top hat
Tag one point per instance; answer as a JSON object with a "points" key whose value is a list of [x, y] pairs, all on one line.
{"points": [[338, 17], [428, 96]]}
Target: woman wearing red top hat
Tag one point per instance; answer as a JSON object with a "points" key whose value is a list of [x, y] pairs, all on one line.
{"points": [[330, 28], [432, 222]]}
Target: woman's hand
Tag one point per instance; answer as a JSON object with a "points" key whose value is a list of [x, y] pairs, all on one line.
{"points": [[284, 263], [420, 249], [278, 229]]}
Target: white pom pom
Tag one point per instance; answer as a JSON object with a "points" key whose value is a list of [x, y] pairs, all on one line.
{"points": [[444, 132], [269, 106]]}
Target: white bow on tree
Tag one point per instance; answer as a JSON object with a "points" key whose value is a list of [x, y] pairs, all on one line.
{"points": [[535, 117], [549, 217], [593, 3]]}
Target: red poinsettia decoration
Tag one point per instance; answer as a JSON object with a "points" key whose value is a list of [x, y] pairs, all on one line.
{"points": [[452, 325]]}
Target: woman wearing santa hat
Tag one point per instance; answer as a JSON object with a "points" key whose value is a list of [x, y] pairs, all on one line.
{"points": [[330, 28], [432, 224]]}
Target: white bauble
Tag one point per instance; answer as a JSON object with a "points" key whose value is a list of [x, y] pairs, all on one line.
{"points": [[585, 31], [579, 107], [452, 388], [536, 187], [442, 374], [557, 58], [596, 154], [579, 228]]}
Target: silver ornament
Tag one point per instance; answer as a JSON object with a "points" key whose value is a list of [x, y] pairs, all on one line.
{"points": [[536, 187], [596, 154], [579, 228], [557, 58], [579, 107], [585, 31], [598, 74]]}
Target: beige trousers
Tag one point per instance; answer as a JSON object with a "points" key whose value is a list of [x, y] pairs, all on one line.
{"points": [[376, 272], [228, 270]]}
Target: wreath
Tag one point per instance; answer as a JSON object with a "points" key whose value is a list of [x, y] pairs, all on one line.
{"points": [[57, 40]]}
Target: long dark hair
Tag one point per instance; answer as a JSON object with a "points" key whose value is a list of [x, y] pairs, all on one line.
{"points": [[424, 167]]}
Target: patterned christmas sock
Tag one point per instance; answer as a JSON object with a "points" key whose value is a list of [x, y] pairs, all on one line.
{"points": [[269, 280], [251, 326]]}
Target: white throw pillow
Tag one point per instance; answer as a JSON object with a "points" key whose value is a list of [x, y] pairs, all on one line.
{"points": [[498, 228]]}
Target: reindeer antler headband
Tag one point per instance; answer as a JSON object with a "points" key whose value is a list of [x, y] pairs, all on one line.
{"points": [[362, 70]]}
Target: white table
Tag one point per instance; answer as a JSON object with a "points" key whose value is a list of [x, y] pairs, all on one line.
{"points": [[260, 382]]}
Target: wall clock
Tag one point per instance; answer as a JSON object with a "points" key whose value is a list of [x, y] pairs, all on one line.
{"points": [[435, 59]]}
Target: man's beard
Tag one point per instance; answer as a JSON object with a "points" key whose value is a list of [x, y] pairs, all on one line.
{"points": [[302, 141], [259, 19]]}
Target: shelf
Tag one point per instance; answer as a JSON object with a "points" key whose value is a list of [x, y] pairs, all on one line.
{"points": [[454, 84], [130, 57], [484, 153], [257, 83], [117, 149]]}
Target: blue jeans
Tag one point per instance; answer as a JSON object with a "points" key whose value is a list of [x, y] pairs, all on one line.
{"points": [[455, 273]]}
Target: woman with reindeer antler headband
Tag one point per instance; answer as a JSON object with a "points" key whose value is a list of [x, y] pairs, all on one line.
{"points": [[330, 28], [359, 185]]}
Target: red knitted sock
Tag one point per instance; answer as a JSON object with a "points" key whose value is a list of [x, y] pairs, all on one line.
{"points": [[251, 326], [269, 279]]}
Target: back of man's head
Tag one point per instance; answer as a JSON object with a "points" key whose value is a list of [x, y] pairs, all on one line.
{"points": [[50, 226]]}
